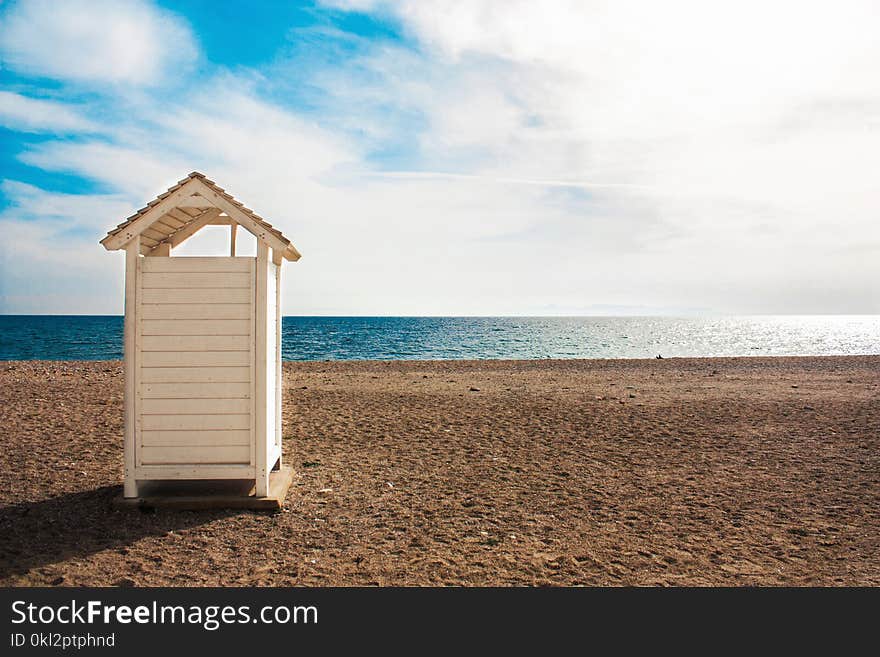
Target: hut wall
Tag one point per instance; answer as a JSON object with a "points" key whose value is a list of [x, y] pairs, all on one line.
{"points": [[195, 365], [272, 389]]}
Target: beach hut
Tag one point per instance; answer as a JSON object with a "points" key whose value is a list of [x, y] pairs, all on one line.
{"points": [[202, 343]]}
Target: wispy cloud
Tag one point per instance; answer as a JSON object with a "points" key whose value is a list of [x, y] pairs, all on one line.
{"points": [[96, 41], [539, 182], [49, 261], [25, 114]]}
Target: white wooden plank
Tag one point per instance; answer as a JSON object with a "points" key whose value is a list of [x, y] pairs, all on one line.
{"points": [[271, 352], [196, 327], [196, 390], [195, 201], [195, 311], [154, 233], [197, 454], [194, 343], [261, 400], [201, 295], [196, 265], [274, 454], [252, 354], [131, 271], [195, 374], [178, 215], [189, 280], [278, 371], [180, 438], [195, 422], [195, 406], [195, 359], [138, 336], [168, 224], [195, 472]]}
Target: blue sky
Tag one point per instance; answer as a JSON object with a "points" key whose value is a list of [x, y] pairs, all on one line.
{"points": [[457, 157], [249, 39]]}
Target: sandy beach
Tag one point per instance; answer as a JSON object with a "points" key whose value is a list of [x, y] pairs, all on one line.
{"points": [[663, 472]]}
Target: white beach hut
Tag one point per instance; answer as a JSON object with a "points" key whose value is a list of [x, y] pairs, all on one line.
{"points": [[202, 343]]}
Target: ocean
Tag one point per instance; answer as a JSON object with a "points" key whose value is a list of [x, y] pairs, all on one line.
{"points": [[65, 337]]}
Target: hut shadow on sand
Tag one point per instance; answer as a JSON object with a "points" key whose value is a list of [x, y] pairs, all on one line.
{"points": [[76, 525]]}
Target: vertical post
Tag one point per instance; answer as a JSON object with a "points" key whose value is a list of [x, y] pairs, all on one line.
{"points": [[132, 251], [279, 387], [232, 230], [261, 399]]}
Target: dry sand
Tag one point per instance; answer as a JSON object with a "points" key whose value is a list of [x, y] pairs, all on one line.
{"points": [[677, 471]]}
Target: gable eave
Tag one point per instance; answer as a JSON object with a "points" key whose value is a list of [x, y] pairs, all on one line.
{"points": [[175, 198], [148, 215]]}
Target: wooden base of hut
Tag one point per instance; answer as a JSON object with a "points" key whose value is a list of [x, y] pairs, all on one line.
{"points": [[209, 494]]}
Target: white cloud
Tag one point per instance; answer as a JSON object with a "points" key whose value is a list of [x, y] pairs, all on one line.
{"points": [[741, 140], [563, 155], [67, 212], [133, 167], [27, 114], [100, 41], [49, 259], [625, 71], [45, 272]]}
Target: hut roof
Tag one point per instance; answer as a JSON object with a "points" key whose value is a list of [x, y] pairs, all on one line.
{"points": [[187, 207]]}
